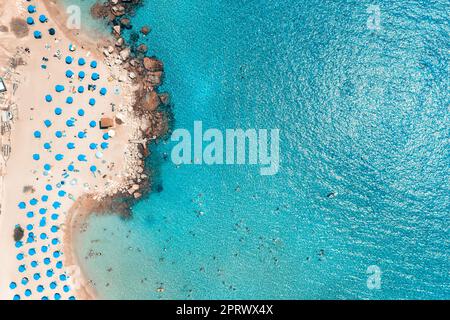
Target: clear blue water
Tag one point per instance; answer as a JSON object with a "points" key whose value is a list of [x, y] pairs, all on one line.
{"points": [[362, 113]]}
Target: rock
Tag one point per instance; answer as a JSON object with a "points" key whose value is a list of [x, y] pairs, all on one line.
{"points": [[145, 30], [165, 98], [125, 22], [154, 78], [137, 195], [153, 65], [125, 54], [120, 42], [110, 49], [118, 10], [142, 48], [132, 75], [151, 101], [117, 30]]}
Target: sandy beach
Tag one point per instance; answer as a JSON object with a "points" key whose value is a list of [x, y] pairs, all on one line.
{"points": [[56, 158]]}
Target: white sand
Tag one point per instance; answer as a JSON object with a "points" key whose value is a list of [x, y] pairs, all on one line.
{"points": [[119, 160]]}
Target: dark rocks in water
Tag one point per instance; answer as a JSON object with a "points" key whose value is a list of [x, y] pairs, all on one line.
{"points": [[151, 101], [126, 23], [145, 30], [159, 188], [153, 64], [18, 233], [134, 36], [165, 98], [19, 27], [153, 79], [142, 48]]}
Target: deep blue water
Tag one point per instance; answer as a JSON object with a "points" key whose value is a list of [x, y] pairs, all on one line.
{"points": [[362, 113]]}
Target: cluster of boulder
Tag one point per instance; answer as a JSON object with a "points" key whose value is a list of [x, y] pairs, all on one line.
{"points": [[146, 74]]}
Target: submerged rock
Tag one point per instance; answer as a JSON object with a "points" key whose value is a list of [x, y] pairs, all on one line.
{"points": [[153, 65]]}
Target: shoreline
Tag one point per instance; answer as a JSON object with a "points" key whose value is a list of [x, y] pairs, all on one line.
{"points": [[138, 122]]}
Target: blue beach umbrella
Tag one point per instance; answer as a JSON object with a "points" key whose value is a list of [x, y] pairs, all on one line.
{"points": [[47, 167], [30, 21], [34, 264], [16, 297], [95, 76], [59, 157], [59, 88], [51, 31], [57, 296], [92, 124], [81, 157], [93, 146], [59, 265], [104, 145], [36, 276], [44, 198], [47, 146], [81, 134], [22, 205], [69, 60], [48, 187], [81, 75], [47, 261], [37, 134], [103, 91], [93, 64], [69, 100], [43, 18], [71, 145], [70, 122], [19, 257], [12, 285], [47, 123], [105, 136], [93, 169], [81, 62], [31, 9], [37, 34], [36, 156], [30, 214], [69, 73], [80, 89], [92, 102], [56, 204], [40, 288], [44, 249], [33, 201], [58, 111], [42, 211], [48, 98], [28, 292], [71, 167], [81, 112], [58, 134], [49, 273]]}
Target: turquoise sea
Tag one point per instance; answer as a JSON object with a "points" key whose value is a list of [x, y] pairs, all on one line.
{"points": [[364, 115]]}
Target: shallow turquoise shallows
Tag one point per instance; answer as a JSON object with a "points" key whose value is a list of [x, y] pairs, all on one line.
{"points": [[363, 184]]}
